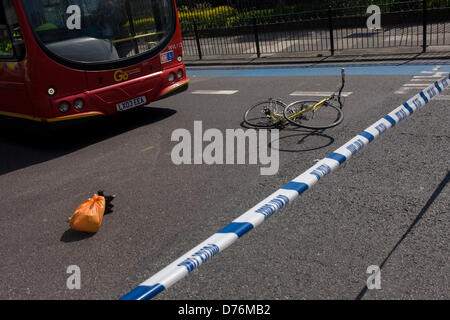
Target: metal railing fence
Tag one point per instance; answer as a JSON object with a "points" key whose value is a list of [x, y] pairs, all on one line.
{"points": [[250, 27]]}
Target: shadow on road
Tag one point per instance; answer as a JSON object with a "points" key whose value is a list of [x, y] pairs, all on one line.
{"points": [[430, 201], [298, 139], [75, 236], [24, 143]]}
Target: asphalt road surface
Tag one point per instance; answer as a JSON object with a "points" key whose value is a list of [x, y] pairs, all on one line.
{"points": [[388, 206]]}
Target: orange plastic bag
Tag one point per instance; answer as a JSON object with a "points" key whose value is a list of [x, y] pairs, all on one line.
{"points": [[89, 215]]}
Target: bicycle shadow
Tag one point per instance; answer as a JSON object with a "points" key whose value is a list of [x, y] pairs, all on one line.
{"points": [[304, 141], [298, 140]]}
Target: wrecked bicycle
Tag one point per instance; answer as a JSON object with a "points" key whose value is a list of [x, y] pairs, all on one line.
{"points": [[310, 114]]}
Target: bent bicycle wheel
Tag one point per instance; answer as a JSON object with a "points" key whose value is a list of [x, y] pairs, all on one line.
{"points": [[265, 114], [327, 116]]}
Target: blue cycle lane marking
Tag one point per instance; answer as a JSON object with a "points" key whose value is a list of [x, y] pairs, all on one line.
{"points": [[286, 71]]}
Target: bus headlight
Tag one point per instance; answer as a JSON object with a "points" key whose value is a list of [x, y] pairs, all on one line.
{"points": [[78, 104], [64, 107], [171, 77], [180, 74]]}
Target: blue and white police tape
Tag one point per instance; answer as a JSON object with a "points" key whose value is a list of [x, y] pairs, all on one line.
{"points": [[272, 204]]}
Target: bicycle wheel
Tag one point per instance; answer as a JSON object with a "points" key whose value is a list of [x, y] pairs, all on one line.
{"points": [[327, 116], [265, 114]]}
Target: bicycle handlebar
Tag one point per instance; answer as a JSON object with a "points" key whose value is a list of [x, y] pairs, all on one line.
{"points": [[342, 87]]}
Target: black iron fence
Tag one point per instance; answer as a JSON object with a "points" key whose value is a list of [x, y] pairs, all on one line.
{"points": [[249, 27]]}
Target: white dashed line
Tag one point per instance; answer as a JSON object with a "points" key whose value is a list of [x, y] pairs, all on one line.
{"points": [[221, 92], [317, 94], [437, 75], [424, 85], [420, 82], [405, 90], [444, 97]]}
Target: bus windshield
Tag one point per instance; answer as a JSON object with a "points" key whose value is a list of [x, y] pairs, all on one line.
{"points": [[96, 31]]}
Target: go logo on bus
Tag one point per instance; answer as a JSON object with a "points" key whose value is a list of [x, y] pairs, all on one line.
{"points": [[121, 75]]}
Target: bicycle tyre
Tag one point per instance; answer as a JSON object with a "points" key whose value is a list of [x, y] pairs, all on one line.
{"points": [[329, 114], [259, 119]]}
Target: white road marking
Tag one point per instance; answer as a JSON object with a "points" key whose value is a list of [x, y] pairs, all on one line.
{"points": [[435, 75], [408, 88], [317, 93], [423, 80], [427, 77], [404, 90], [417, 85], [446, 98], [222, 92]]}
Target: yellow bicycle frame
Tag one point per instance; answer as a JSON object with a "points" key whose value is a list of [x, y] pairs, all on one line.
{"points": [[316, 107], [280, 117]]}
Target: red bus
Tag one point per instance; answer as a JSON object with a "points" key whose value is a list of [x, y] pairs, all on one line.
{"points": [[62, 60]]}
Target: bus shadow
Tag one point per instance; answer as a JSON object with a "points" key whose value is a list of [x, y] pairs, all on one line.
{"points": [[25, 143]]}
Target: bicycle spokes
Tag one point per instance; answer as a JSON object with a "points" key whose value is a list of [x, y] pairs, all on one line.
{"points": [[265, 114], [313, 114]]}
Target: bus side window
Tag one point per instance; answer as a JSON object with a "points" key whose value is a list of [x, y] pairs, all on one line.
{"points": [[11, 38], [6, 50]]}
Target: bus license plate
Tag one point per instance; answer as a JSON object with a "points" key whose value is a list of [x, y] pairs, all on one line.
{"points": [[140, 101]]}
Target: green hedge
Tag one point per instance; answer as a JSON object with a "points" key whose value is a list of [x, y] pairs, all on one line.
{"points": [[6, 48], [208, 17]]}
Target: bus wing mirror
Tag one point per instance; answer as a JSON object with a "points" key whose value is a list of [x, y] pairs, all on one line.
{"points": [[19, 49]]}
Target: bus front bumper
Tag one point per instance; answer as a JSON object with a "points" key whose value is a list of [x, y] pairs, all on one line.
{"points": [[174, 89], [104, 101]]}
